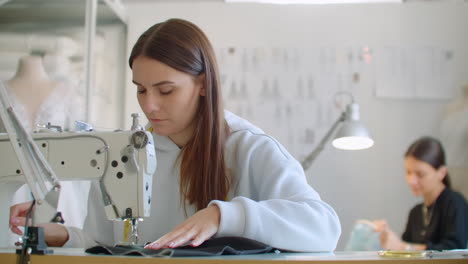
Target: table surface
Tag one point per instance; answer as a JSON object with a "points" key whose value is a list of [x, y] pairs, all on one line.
{"points": [[76, 255]]}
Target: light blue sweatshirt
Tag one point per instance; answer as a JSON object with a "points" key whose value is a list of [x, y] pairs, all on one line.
{"points": [[269, 201]]}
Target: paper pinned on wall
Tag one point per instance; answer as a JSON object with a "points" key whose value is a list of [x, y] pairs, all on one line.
{"points": [[279, 88], [415, 72]]}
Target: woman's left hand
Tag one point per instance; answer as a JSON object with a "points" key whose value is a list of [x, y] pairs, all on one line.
{"points": [[390, 241], [197, 228]]}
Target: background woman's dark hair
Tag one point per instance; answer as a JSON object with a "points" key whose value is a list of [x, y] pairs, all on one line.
{"points": [[184, 47], [429, 150]]}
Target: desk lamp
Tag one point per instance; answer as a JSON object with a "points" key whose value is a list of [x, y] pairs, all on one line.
{"points": [[352, 135]]}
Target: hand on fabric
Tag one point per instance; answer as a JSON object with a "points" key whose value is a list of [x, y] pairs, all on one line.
{"points": [[197, 228], [380, 225], [390, 241], [56, 235]]}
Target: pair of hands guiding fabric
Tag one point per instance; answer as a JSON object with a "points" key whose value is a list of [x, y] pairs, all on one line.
{"points": [[194, 230], [388, 238]]}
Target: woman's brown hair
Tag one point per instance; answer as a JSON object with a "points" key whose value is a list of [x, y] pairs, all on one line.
{"points": [[429, 150], [184, 47]]}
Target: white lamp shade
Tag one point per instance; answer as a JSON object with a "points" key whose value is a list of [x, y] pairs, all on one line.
{"points": [[352, 136]]}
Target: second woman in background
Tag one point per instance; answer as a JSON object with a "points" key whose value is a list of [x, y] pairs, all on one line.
{"points": [[440, 222]]}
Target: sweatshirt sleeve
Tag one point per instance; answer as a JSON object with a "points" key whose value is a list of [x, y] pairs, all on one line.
{"points": [[96, 229], [273, 202]]}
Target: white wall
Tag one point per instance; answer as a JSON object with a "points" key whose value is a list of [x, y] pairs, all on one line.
{"points": [[365, 184]]}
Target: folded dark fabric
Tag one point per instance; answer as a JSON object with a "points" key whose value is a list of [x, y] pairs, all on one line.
{"points": [[213, 247]]}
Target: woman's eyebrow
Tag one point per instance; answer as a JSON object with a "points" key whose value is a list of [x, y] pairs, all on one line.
{"points": [[155, 84]]}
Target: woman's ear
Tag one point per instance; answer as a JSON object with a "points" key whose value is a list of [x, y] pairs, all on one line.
{"points": [[442, 172], [201, 82]]}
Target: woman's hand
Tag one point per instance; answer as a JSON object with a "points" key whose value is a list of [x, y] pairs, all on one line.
{"points": [[390, 241], [380, 225], [197, 228], [56, 235], [18, 216]]}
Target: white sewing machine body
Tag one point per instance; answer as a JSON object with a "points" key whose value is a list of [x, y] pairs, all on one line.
{"points": [[123, 161]]}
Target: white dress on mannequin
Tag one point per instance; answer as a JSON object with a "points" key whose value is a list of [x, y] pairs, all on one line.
{"points": [[454, 137], [38, 100]]}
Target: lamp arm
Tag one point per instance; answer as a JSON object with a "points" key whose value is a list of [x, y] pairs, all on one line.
{"points": [[321, 145]]}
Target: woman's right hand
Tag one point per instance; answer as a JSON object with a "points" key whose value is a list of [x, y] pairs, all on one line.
{"points": [[380, 225], [56, 235], [18, 216], [389, 240]]}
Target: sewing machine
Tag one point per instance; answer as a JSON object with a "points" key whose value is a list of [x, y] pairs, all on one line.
{"points": [[122, 161]]}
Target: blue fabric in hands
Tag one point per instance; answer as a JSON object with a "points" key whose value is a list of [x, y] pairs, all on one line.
{"points": [[363, 238]]}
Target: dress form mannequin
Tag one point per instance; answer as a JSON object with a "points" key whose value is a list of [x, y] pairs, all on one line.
{"points": [[454, 136], [38, 99], [31, 84]]}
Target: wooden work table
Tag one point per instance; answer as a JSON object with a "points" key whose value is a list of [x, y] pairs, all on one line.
{"points": [[75, 256]]}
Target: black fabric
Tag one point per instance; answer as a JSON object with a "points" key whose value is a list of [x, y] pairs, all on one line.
{"points": [[448, 227], [212, 247]]}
